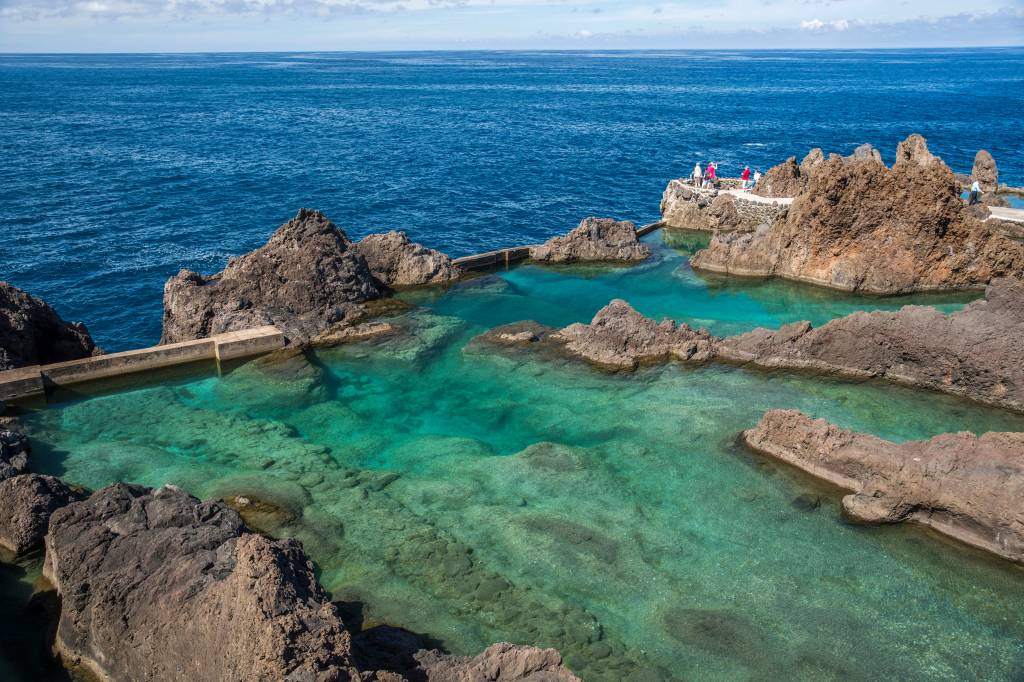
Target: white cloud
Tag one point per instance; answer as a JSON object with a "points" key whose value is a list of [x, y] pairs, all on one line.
{"points": [[816, 25]]}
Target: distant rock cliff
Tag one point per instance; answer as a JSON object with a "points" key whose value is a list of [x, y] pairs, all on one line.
{"points": [[32, 333]]}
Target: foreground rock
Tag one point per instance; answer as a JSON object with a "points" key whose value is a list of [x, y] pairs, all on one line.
{"points": [[498, 663], [14, 451], [32, 333], [985, 171], [26, 504], [397, 262], [154, 582], [962, 485], [594, 240], [305, 278], [976, 352], [859, 226]]}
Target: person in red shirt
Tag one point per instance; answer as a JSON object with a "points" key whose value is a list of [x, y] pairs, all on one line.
{"points": [[745, 176]]}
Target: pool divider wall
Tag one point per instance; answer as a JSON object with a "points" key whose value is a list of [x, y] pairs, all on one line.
{"points": [[33, 381], [26, 382]]}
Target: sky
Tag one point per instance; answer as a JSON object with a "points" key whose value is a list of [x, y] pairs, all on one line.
{"points": [[320, 25]]}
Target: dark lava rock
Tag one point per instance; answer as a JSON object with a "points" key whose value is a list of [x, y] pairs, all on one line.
{"points": [[501, 662], [158, 585], [398, 262], [976, 352], [305, 278], [32, 333], [859, 226], [14, 451], [965, 486], [26, 504], [594, 240]]}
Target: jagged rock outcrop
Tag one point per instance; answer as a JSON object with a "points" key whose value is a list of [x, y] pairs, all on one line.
{"points": [[962, 485], [976, 352], [398, 262], [985, 171], [14, 451], [26, 504], [783, 180], [594, 240], [32, 333], [305, 278], [155, 582], [620, 337], [859, 226], [501, 662]]}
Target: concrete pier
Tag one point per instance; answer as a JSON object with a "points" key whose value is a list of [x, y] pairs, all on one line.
{"points": [[27, 382]]}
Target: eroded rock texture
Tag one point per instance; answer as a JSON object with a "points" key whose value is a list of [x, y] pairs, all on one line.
{"points": [[985, 171], [976, 352], [789, 179], [32, 333], [26, 504], [594, 239], [157, 585], [398, 262], [305, 278], [14, 451], [859, 226], [962, 485]]}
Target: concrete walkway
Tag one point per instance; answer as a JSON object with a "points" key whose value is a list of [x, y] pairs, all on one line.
{"points": [[1015, 215], [746, 195]]}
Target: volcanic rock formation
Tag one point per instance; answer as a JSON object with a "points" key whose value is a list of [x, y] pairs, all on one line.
{"points": [[397, 262], [789, 179], [154, 582], [594, 239], [976, 352], [859, 226], [985, 171], [962, 485], [31, 332], [498, 663], [305, 278]]}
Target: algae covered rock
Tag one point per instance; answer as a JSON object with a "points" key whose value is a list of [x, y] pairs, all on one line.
{"points": [[32, 333], [398, 262], [594, 239], [965, 486], [305, 278]]}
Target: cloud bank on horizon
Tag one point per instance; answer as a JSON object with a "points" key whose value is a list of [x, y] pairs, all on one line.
{"points": [[270, 25]]}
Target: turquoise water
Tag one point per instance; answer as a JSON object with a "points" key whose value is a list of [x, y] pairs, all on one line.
{"points": [[473, 495]]}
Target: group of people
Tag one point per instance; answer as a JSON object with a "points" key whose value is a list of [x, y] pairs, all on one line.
{"points": [[708, 178]]}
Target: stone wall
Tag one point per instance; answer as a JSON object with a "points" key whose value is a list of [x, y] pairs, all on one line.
{"points": [[695, 208]]}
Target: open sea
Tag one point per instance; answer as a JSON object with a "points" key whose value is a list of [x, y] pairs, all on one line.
{"points": [[119, 170]]}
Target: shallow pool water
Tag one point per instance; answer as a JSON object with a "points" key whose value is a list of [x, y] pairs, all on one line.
{"points": [[476, 495]]}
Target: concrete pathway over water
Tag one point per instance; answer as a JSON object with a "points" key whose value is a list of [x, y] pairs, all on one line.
{"points": [[1003, 213]]}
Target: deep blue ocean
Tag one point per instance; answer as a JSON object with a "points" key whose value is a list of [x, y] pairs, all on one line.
{"points": [[120, 170]]}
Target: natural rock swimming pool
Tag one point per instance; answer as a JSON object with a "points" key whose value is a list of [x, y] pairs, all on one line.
{"points": [[475, 497]]}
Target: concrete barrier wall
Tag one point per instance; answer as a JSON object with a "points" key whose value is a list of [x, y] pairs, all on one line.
{"points": [[27, 382]]}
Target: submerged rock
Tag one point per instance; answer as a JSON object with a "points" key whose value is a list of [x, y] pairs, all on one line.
{"points": [[32, 333], [305, 278], [26, 504], [985, 171], [622, 338], [976, 352], [962, 485], [859, 226], [155, 582], [595, 239], [397, 262], [501, 662]]}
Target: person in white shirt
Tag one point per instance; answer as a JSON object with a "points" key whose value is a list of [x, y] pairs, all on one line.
{"points": [[757, 177], [697, 175], [975, 191]]}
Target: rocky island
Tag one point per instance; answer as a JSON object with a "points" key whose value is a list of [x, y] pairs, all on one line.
{"points": [[594, 240]]}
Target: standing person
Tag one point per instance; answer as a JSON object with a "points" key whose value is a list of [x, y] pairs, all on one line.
{"points": [[975, 191], [698, 174], [712, 173], [757, 178], [745, 177]]}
